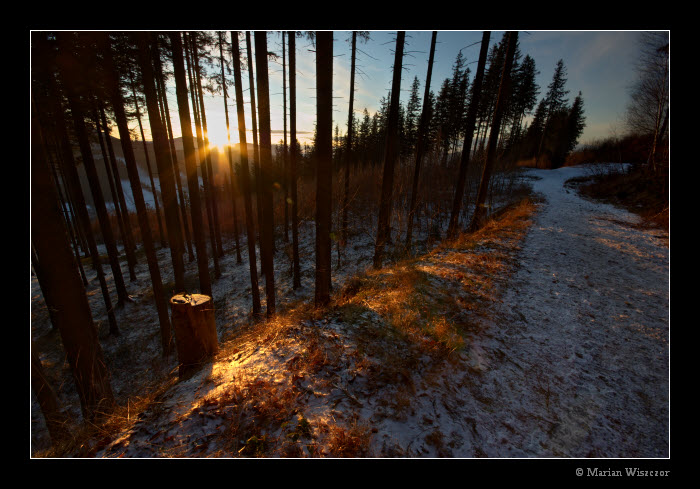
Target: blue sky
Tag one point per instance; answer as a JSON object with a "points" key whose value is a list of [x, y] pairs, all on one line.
{"points": [[600, 64]]}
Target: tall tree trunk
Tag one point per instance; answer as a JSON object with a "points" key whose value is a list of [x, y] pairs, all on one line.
{"points": [[190, 163], [207, 158], [121, 218], [267, 232], [256, 151], [471, 119], [74, 187], [285, 156], [161, 232], [420, 144], [117, 103], [160, 84], [165, 167], [232, 174], [245, 174], [121, 201], [296, 268], [97, 196], [390, 155], [501, 101], [348, 149], [324, 164], [201, 152], [75, 324]]}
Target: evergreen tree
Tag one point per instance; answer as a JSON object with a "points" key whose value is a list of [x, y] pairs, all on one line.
{"points": [[390, 155], [324, 175]]}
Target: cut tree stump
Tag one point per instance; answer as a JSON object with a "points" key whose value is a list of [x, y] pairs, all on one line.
{"points": [[195, 331]]}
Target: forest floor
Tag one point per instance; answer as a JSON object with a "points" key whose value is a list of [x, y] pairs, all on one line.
{"points": [[545, 334]]}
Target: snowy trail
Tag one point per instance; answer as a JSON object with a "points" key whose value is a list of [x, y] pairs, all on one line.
{"points": [[577, 360]]}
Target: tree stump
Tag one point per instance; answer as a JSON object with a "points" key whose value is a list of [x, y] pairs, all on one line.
{"points": [[195, 331]]}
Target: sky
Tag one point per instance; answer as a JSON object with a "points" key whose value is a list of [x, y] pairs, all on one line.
{"points": [[599, 64]]}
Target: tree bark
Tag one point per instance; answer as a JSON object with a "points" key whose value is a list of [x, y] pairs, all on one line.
{"points": [[267, 232], [471, 119], [117, 103], [503, 93], [324, 164], [348, 149], [78, 332], [195, 331], [161, 232], [232, 174], [420, 144], [245, 174], [190, 163], [256, 148], [165, 167], [201, 153], [296, 268], [390, 155]]}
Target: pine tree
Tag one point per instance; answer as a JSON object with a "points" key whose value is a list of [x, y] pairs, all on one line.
{"points": [[267, 232], [74, 318], [296, 267], [116, 100], [245, 174], [190, 163], [469, 133], [511, 40], [390, 156], [165, 167], [554, 101], [423, 135], [324, 155]]}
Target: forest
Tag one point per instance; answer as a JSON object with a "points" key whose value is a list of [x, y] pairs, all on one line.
{"points": [[155, 253]]}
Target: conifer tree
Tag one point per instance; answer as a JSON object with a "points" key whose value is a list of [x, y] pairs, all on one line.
{"points": [[423, 123], [296, 267], [469, 133], [245, 173], [117, 102], [267, 232], [511, 40], [74, 318], [390, 155], [190, 163]]}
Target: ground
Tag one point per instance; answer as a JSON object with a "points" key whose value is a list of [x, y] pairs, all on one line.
{"points": [[544, 335]]}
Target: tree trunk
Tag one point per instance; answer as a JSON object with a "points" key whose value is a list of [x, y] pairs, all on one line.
{"points": [[195, 331], [161, 232], [117, 103], [324, 165], [70, 171], [78, 332], [420, 144], [285, 156], [97, 196], [165, 167], [348, 149], [209, 181], [256, 149], [232, 174], [201, 154], [296, 268], [390, 155], [190, 163], [267, 232], [245, 174], [503, 94], [471, 119], [173, 153], [120, 194]]}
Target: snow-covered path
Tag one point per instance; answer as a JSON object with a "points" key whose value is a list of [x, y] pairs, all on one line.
{"points": [[577, 360]]}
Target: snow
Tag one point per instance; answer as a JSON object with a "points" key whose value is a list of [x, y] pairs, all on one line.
{"points": [[572, 359]]}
